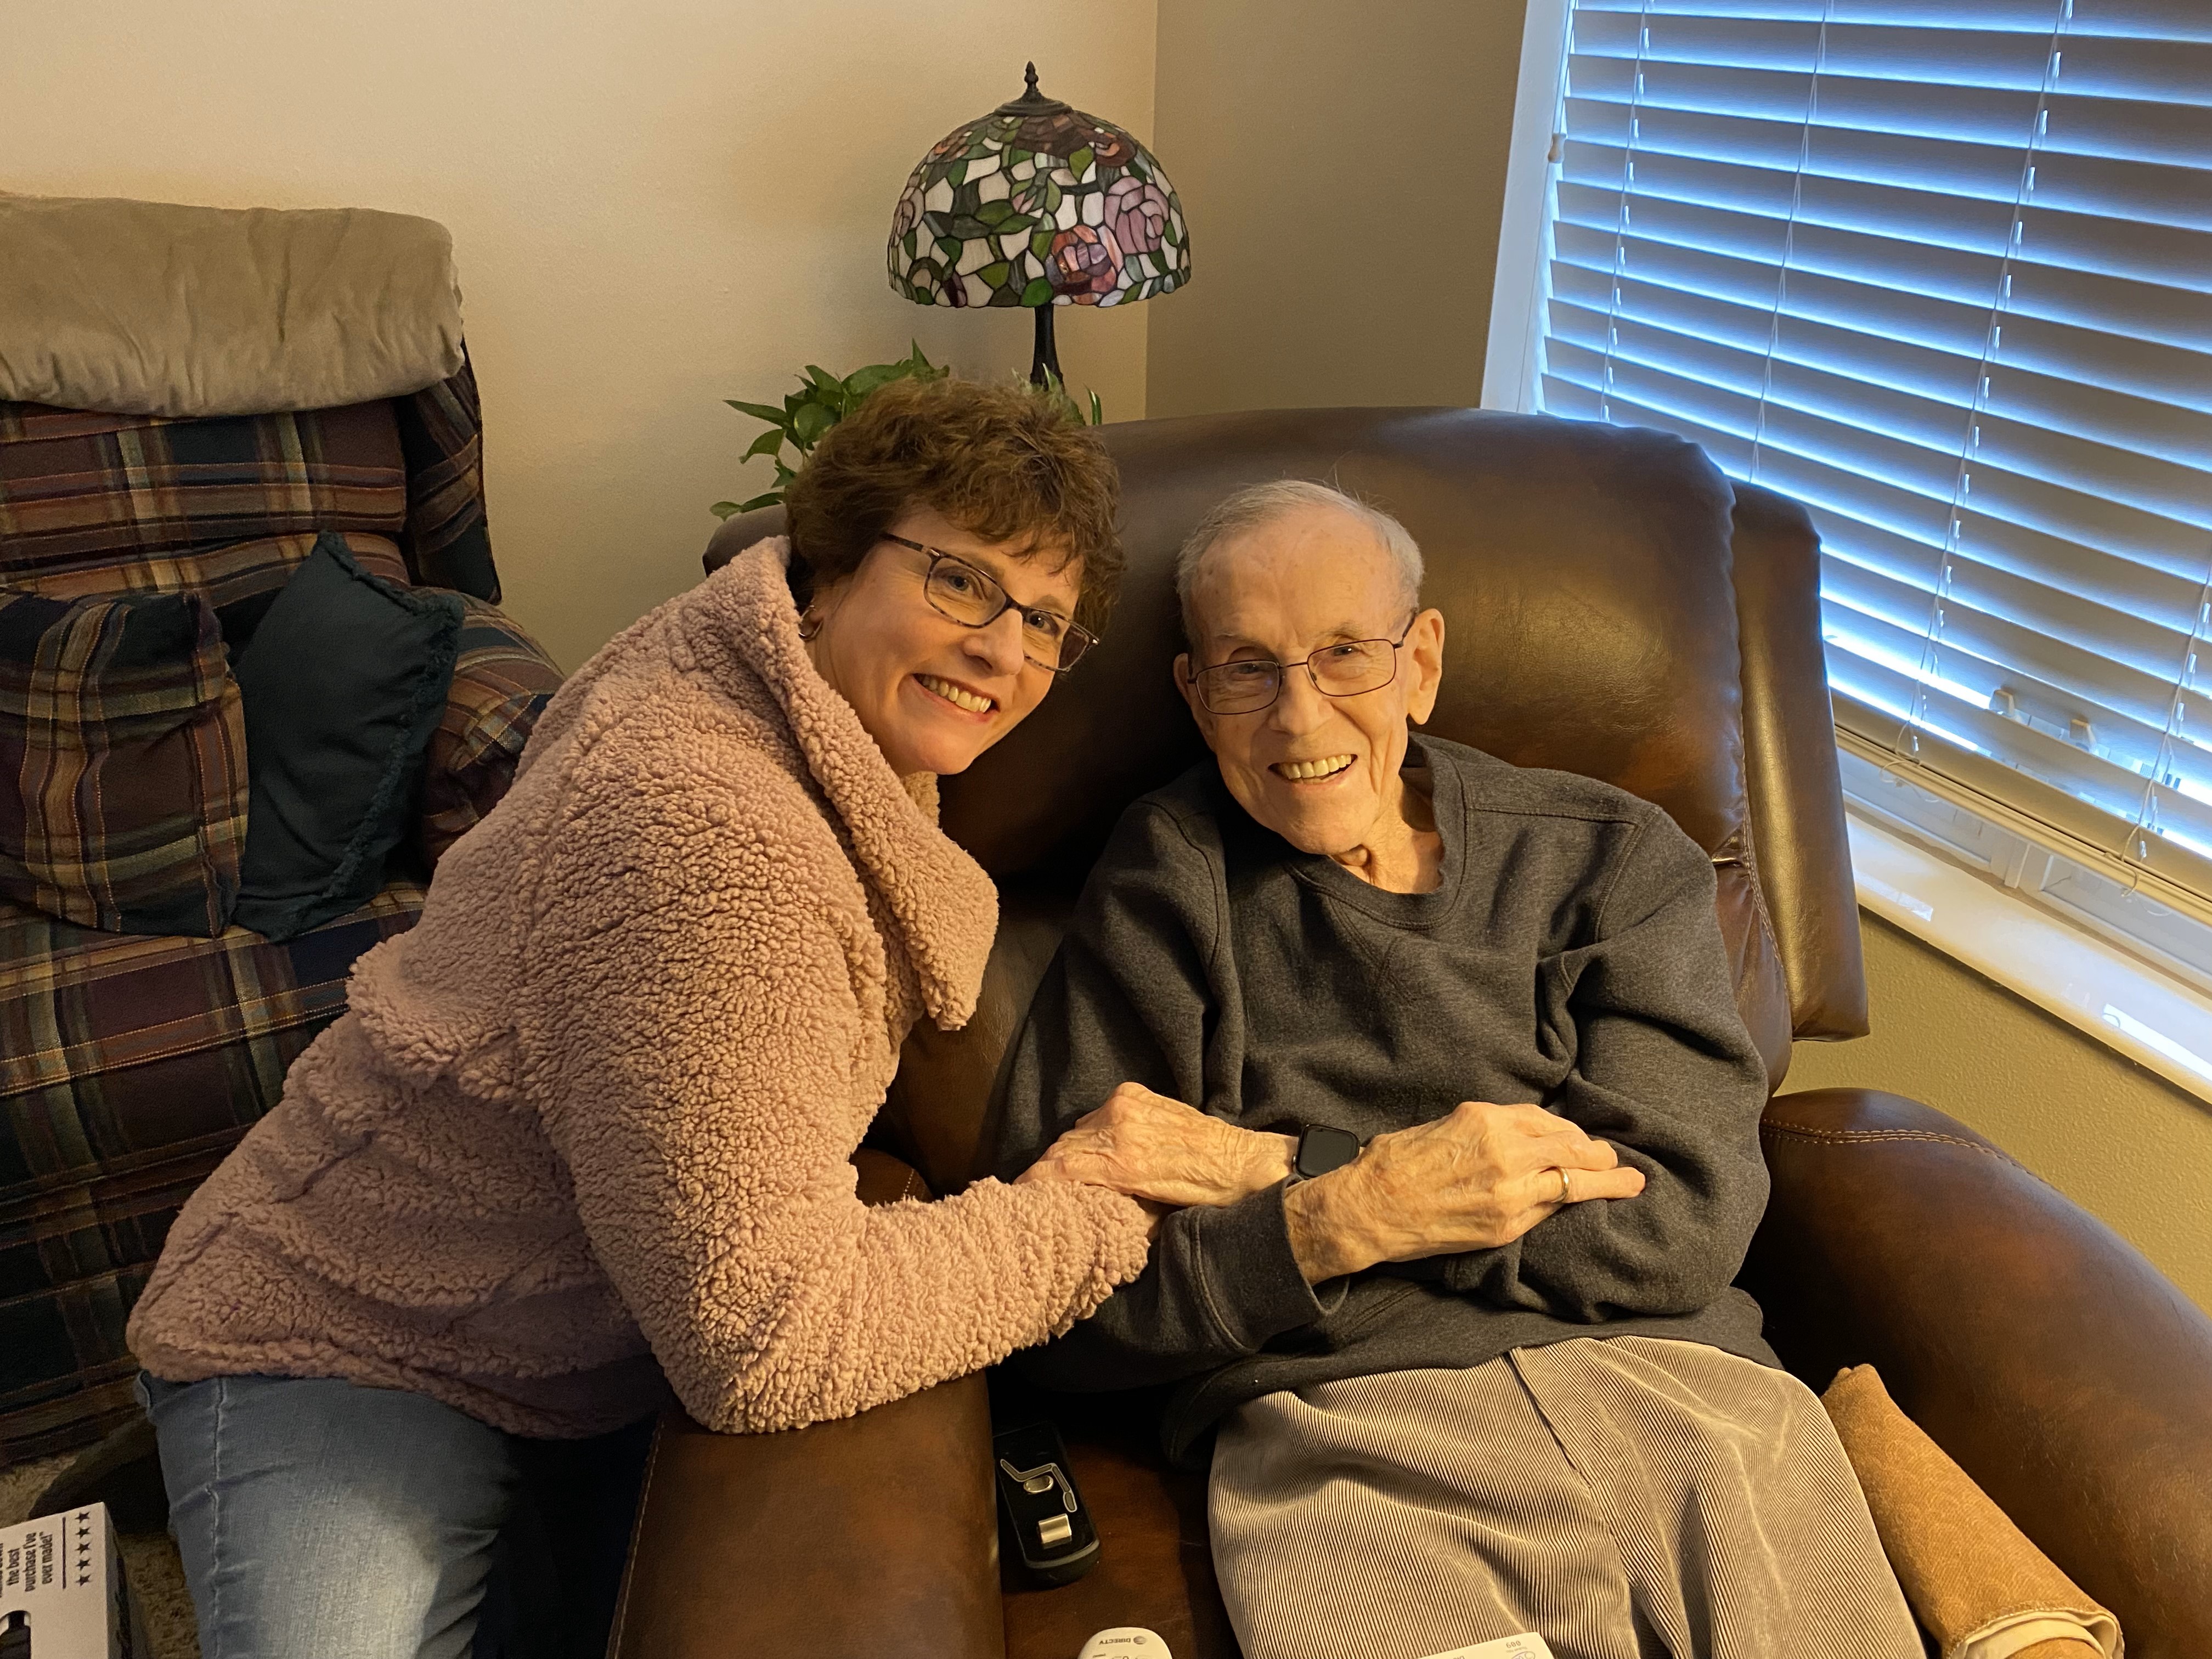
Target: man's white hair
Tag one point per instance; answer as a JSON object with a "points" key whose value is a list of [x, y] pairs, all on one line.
{"points": [[1258, 505]]}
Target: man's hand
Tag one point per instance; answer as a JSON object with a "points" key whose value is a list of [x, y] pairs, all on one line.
{"points": [[1151, 1147], [1478, 1178]]}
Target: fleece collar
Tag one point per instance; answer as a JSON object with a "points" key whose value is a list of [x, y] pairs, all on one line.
{"points": [[945, 907]]}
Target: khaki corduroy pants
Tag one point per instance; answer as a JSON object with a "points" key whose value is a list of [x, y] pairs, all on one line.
{"points": [[1624, 1498]]}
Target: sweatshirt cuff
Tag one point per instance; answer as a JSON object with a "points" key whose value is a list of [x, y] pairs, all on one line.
{"points": [[1253, 1288]]}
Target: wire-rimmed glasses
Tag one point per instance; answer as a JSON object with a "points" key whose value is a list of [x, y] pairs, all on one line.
{"points": [[1343, 670], [973, 598]]}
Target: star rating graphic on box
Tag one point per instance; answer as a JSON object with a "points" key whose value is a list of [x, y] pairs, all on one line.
{"points": [[62, 1587]]}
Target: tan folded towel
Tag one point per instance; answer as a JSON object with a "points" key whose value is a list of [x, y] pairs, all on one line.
{"points": [[1977, 1584], [151, 308]]}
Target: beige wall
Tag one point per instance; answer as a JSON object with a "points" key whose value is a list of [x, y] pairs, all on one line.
{"points": [[655, 204], [1342, 168], [2118, 1140]]}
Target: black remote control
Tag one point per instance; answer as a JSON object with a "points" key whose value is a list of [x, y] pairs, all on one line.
{"points": [[1037, 1497]]}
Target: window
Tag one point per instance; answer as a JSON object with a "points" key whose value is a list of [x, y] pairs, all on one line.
{"points": [[1940, 269]]}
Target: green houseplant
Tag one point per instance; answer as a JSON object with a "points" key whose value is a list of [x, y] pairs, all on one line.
{"points": [[822, 400]]}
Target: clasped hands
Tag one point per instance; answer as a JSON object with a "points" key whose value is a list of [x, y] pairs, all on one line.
{"points": [[1479, 1177]]}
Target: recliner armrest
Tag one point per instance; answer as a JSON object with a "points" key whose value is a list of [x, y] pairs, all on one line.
{"points": [[502, 680], [2061, 1370], [874, 1536]]}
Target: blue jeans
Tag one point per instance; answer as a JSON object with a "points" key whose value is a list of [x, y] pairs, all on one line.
{"points": [[318, 1517]]}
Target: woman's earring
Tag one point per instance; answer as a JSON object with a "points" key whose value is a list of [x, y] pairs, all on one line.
{"points": [[809, 624]]}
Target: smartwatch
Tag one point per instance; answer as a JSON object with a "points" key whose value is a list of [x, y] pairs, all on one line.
{"points": [[1323, 1147]]}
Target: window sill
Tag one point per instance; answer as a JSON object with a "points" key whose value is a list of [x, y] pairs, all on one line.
{"points": [[2151, 1018]]}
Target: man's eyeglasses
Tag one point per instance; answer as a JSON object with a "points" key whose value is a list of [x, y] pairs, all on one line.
{"points": [[957, 590], [1343, 670]]}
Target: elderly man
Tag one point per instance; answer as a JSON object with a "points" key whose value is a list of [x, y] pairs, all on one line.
{"points": [[1437, 1063]]}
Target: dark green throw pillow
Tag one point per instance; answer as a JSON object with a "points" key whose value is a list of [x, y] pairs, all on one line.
{"points": [[344, 683]]}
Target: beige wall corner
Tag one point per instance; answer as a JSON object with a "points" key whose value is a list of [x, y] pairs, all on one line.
{"points": [[2120, 1141], [1342, 168], [654, 206]]}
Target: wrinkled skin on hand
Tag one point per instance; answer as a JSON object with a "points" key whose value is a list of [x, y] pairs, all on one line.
{"points": [[1154, 1148], [1478, 1177]]}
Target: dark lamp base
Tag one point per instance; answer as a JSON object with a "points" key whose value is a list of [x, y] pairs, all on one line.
{"points": [[1046, 361]]}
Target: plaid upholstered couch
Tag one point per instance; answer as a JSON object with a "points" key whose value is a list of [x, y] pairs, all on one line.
{"points": [[131, 1064]]}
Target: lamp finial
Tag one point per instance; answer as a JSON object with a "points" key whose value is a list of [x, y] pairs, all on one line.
{"points": [[1030, 75]]}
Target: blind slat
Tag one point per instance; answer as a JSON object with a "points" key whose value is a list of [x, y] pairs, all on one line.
{"points": [[1860, 512], [2155, 20], [2172, 601], [2170, 873], [1662, 277], [2048, 679], [2157, 515], [2058, 397], [1913, 707], [1977, 219], [1943, 273], [1915, 713], [2137, 642], [2014, 58], [1987, 167], [2122, 128], [1667, 238], [2175, 70], [2164, 20]]}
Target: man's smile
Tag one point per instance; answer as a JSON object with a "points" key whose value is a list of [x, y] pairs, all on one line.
{"points": [[1308, 771]]}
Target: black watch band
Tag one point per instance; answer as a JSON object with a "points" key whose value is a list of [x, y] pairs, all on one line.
{"points": [[1323, 1147]]}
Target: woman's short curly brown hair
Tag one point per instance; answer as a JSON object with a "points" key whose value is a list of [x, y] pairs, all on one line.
{"points": [[998, 461]]}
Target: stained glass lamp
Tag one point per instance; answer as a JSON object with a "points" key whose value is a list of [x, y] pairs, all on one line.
{"points": [[1037, 205]]}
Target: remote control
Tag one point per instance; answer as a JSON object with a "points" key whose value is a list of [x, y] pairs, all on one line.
{"points": [[1051, 1528], [1527, 1645], [1125, 1642]]}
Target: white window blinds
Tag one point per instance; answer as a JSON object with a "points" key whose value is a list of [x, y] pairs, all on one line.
{"points": [[1942, 269]]}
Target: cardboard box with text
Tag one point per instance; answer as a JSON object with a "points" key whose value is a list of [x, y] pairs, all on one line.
{"points": [[62, 1590]]}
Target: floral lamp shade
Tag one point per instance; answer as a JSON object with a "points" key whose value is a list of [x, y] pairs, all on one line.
{"points": [[1037, 205]]}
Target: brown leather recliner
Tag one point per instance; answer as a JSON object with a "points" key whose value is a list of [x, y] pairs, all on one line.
{"points": [[1614, 608]]}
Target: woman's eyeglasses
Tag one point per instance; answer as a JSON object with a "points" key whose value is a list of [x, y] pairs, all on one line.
{"points": [[1343, 670], [957, 590]]}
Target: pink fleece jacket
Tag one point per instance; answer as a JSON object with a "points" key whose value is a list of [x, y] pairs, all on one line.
{"points": [[594, 1111]]}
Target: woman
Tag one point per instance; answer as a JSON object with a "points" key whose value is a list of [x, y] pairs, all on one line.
{"points": [[583, 1133]]}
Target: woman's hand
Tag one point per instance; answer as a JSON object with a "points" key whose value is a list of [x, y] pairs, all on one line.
{"points": [[1151, 1147], [1480, 1178]]}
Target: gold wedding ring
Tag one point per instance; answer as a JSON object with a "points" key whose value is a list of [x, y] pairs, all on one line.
{"points": [[1566, 1188]]}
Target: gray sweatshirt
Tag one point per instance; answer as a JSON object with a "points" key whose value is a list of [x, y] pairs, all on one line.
{"points": [[1570, 959]]}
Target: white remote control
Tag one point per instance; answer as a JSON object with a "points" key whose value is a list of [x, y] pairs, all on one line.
{"points": [[1125, 1642], [1527, 1645]]}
